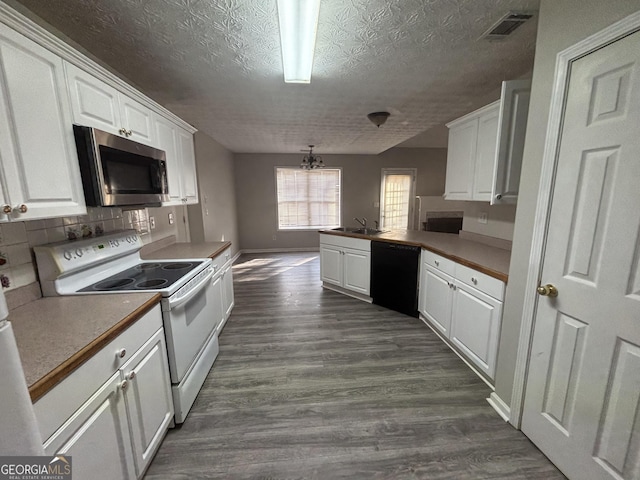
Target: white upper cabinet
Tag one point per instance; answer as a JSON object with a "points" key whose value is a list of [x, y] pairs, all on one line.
{"points": [[181, 161], [485, 148], [38, 160], [96, 104], [514, 110], [187, 153]]}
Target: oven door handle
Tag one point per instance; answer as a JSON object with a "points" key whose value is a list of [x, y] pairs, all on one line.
{"points": [[194, 291]]}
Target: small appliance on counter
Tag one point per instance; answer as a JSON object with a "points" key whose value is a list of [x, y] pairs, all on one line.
{"points": [[20, 434], [190, 309]]}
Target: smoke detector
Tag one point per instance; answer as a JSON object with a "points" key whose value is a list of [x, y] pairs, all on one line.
{"points": [[506, 25]]}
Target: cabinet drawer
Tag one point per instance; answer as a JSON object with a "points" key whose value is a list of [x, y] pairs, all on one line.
{"points": [[218, 262], [54, 408], [443, 264], [346, 242], [480, 281]]}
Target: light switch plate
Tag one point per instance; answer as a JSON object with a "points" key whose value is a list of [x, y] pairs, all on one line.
{"points": [[482, 217]]}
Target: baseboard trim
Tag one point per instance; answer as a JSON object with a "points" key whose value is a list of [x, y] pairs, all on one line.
{"points": [[455, 350], [348, 293], [279, 250], [499, 406]]}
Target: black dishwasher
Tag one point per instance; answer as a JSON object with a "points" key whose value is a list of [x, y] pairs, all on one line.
{"points": [[394, 276]]}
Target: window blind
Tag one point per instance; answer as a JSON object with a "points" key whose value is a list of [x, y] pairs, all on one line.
{"points": [[308, 199]]}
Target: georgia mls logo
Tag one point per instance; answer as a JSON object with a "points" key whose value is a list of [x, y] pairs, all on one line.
{"points": [[57, 467]]}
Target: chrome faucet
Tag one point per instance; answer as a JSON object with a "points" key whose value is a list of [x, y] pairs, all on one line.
{"points": [[362, 222]]}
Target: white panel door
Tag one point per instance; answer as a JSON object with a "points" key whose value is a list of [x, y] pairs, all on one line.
{"points": [[148, 398], [461, 156], [97, 436], [331, 264], [188, 167], [357, 270], [583, 387], [486, 154], [93, 102], [436, 297], [138, 120], [475, 326], [37, 148]]}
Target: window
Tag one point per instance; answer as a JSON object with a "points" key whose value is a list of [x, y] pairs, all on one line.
{"points": [[396, 198], [308, 199]]}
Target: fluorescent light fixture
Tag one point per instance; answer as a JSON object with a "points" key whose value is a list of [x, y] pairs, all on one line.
{"points": [[298, 26]]}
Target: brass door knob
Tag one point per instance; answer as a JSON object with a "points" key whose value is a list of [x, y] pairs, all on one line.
{"points": [[547, 290], [6, 209]]}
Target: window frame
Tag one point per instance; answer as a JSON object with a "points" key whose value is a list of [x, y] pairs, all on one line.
{"points": [[413, 172], [304, 229]]}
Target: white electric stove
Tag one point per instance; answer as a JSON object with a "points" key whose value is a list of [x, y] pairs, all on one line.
{"points": [[112, 264]]}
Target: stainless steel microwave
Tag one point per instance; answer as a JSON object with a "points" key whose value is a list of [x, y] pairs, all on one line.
{"points": [[118, 172]]}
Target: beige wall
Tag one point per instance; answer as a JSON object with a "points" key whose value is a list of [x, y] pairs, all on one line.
{"points": [[500, 219], [214, 218], [256, 194], [560, 25]]}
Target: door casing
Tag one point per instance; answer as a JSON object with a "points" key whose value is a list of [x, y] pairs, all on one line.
{"points": [[564, 60]]}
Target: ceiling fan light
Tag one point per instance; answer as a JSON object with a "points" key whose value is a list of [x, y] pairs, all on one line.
{"points": [[298, 21]]}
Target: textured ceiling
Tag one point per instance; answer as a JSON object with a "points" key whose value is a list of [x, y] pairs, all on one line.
{"points": [[217, 64]]}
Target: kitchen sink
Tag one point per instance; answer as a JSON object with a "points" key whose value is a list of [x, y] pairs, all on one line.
{"points": [[360, 230]]}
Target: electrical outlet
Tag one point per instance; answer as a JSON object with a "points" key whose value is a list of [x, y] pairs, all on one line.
{"points": [[170, 218], [482, 217], [274, 237], [152, 222], [376, 204]]}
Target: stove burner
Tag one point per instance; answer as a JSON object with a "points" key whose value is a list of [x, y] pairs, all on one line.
{"points": [[153, 283], [113, 284], [177, 266], [147, 266]]}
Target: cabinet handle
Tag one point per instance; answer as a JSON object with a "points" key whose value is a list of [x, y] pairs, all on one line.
{"points": [[121, 353], [129, 133], [474, 280], [498, 197], [437, 263], [23, 208], [123, 131], [131, 375], [124, 385], [7, 209]]}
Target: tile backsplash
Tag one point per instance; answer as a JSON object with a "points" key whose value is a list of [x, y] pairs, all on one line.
{"points": [[17, 264]]}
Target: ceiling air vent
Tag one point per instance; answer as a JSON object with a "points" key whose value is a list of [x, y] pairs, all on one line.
{"points": [[506, 25]]}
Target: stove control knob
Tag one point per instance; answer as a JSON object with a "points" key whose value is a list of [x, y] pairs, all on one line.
{"points": [[67, 254], [79, 252], [113, 243]]}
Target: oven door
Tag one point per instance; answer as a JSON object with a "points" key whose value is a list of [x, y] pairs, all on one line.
{"points": [[189, 319]]}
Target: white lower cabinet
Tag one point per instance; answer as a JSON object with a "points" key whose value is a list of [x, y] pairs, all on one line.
{"points": [[222, 282], [464, 306], [345, 262], [227, 290], [114, 433]]}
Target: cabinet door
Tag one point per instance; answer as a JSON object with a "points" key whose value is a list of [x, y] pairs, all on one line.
{"points": [[514, 111], [37, 148], [436, 298], [138, 120], [188, 167], [357, 270], [97, 436], [227, 290], [167, 140], [485, 154], [331, 264], [93, 102], [460, 160], [148, 398], [475, 326], [218, 302]]}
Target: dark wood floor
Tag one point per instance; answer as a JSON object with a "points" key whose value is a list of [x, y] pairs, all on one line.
{"points": [[313, 384]]}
